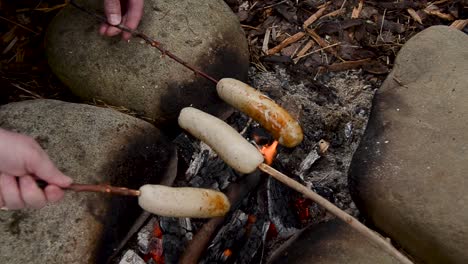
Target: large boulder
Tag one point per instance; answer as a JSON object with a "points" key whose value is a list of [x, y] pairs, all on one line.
{"points": [[91, 145], [409, 174], [135, 75], [332, 242]]}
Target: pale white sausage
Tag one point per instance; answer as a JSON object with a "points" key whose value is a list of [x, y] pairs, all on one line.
{"points": [[262, 109], [235, 150], [183, 202]]}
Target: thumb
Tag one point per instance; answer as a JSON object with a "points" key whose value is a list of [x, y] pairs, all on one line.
{"points": [[42, 167], [113, 11]]}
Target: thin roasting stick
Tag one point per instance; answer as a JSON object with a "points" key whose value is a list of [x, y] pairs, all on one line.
{"points": [[148, 40], [353, 222], [103, 188]]}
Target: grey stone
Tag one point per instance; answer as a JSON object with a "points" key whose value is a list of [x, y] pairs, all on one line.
{"points": [[332, 242], [91, 145], [408, 175], [204, 33]]}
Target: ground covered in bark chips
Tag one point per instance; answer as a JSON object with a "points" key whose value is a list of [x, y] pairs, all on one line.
{"points": [[321, 60]]}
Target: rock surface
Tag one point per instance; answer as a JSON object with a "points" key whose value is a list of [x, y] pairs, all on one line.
{"points": [[409, 173], [134, 75], [332, 242], [92, 145]]}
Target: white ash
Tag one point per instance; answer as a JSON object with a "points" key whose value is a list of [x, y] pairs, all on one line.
{"points": [[198, 160], [130, 257], [144, 235], [305, 165]]}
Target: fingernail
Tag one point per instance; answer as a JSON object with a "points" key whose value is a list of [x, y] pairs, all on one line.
{"points": [[114, 19], [67, 181]]}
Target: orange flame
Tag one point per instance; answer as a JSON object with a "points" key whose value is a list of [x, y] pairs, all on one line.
{"points": [[269, 152]]}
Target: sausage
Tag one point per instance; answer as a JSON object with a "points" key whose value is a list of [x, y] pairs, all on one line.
{"points": [[183, 202], [235, 150], [262, 109]]}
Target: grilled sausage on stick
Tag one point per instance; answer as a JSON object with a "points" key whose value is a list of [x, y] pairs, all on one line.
{"points": [[262, 109]]}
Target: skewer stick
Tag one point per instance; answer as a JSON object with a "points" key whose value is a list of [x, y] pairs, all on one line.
{"points": [[353, 222], [103, 188]]}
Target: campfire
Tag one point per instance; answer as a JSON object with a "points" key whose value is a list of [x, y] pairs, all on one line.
{"points": [[264, 213]]}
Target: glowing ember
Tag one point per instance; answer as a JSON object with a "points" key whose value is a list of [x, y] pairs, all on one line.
{"points": [[227, 253], [269, 152], [302, 207], [156, 251], [272, 232]]}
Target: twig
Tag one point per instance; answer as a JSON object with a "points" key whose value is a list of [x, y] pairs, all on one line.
{"points": [[147, 39], [304, 50], [414, 15], [266, 40], [357, 10], [459, 24], [44, 9], [335, 13], [346, 65], [273, 5], [286, 43], [353, 222], [381, 27], [35, 95], [19, 25], [318, 50], [315, 16], [322, 43]]}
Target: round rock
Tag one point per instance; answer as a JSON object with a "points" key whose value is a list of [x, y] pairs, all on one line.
{"points": [[409, 174], [331, 242], [205, 34], [92, 145]]}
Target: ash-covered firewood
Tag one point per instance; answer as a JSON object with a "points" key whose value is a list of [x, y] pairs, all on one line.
{"points": [[177, 231], [280, 211]]}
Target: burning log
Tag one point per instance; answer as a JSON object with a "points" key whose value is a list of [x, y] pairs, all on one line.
{"points": [[246, 157], [235, 193]]}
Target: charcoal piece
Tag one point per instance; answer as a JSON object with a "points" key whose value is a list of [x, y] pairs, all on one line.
{"points": [[252, 251], [186, 146], [176, 232], [197, 163], [224, 246], [280, 210]]}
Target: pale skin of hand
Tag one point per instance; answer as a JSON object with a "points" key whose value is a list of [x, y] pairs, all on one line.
{"points": [[126, 12], [22, 161]]}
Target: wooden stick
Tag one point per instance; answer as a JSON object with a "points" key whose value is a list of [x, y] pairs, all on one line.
{"points": [[459, 24], [103, 188], [322, 42], [286, 42], [357, 10], [353, 222], [315, 16]]}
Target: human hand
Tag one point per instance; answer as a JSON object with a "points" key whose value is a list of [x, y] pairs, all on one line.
{"points": [[22, 160], [133, 11]]}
